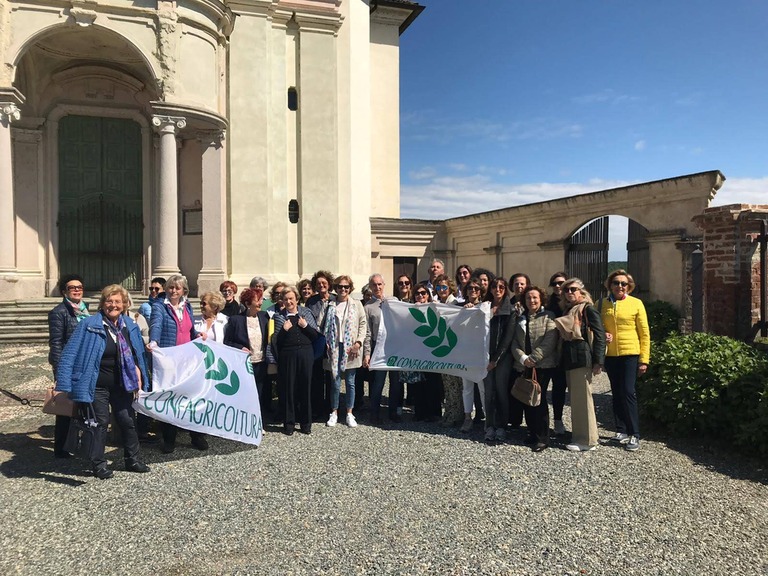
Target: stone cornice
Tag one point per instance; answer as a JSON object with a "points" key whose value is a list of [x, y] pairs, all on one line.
{"points": [[389, 13], [197, 118], [12, 96]]}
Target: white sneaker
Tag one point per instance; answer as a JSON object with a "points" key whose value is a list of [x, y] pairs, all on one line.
{"points": [[351, 422], [332, 419], [580, 448], [559, 427], [632, 444]]}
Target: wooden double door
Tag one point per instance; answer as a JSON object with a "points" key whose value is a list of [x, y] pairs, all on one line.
{"points": [[100, 221]]}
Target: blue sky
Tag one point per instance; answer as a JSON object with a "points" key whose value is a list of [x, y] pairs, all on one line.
{"points": [[507, 102]]}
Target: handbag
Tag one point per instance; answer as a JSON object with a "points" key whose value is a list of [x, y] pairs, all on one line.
{"points": [[527, 390], [58, 403], [81, 438]]}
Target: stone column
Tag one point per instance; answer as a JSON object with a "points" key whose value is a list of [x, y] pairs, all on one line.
{"points": [[213, 272], [167, 252], [9, 112]]}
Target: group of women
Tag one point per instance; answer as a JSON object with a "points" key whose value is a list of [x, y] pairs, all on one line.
{"points": [[563, 337], [312, 337]]}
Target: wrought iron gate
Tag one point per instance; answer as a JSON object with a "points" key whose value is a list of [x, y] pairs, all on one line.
{"points": [[638, 261], [587, 256]]}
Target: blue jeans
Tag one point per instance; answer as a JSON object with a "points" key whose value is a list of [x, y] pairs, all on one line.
{"points": [[622, 372], [349, 378]]}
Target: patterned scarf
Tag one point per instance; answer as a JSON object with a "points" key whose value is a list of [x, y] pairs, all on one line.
{"points": [[81, 310], [338, 359], [127, 365]]}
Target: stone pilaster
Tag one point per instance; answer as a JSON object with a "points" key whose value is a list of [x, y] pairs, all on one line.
{"points": [[9, 112], [213, 271]]}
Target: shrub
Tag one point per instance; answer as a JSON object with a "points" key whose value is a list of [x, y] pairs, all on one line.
{"points": [[708, 384], [663, 319]]}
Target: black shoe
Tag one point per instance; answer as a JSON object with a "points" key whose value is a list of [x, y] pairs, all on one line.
{"points": [[103, 473], [62, 454], [168, 448], [306, 430], [149, 439], [289, 430], [200, 443], [396, 418], [539, 447], [530, 439], [136, 466]]}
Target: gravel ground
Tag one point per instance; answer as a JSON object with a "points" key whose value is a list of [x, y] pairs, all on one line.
{"points": [[416, 499]]}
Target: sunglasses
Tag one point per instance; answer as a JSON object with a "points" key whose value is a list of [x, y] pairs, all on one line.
{"points": [[404, 283], [441, 288], [342, 286], [500, 287], [473, 288], [553, 284], [154, 289], [572, 289], [227, 291], [421, 292], [75, 288], [618, 283]]}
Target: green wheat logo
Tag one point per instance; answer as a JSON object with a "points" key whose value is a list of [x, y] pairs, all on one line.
{"points": [[216, 369], [435, 332]]}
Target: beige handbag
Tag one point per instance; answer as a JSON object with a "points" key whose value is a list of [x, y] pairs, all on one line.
{"points": [[527, 390], [58, 403]]}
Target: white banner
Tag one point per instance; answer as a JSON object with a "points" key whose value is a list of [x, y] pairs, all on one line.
{"points": [[433, 338], [206, 387]]}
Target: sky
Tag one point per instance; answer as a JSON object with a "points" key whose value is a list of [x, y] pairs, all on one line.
{"points": [[509, 102]]}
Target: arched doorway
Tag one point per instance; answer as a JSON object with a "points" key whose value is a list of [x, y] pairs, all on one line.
{"points": [[589, 252], [100, 222]]}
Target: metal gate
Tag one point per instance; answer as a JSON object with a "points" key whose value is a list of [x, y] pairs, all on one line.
{"points": [[587, 256], [100, 201], [638, 261]]}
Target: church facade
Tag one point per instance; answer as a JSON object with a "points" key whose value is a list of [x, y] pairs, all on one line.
{"points": [[219, 139]]}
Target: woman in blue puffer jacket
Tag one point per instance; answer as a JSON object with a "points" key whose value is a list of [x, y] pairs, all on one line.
{"points": [[103, 365]]}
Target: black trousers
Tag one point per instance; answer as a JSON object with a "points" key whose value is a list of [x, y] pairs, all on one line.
{"points": [[428, 397], [294, 379], [104, 396], [537, 417], [320, 390], [60, 432]]}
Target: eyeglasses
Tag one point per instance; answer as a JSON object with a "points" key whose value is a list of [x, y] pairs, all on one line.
{"points": [[553, 284], [78, 288], [473, 288], [227, 291], [403, 282], [619, 283], [421, 292], [343, 286], [441, 288], [500, 287], [572, 289]]}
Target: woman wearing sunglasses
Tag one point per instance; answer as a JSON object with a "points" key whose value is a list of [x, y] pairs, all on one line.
{"points": [[345, 333], [232, 307], [629, 350], [473, 393], [404, 288], [453, 413], [582, 356], [556, 282], [427, 386]]}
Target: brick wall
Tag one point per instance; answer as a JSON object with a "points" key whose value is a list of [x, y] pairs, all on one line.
{"points": [[731, 268]]}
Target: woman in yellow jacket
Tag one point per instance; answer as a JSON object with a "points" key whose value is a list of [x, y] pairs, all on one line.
{"points": [[627, 355]]}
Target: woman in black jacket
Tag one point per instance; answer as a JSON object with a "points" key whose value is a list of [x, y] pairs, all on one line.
{"points": [[62, 321], [248, 331], [496, 383]]}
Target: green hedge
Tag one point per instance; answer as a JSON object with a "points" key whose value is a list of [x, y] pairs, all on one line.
{"points": [[663, 319], [711, 385]]}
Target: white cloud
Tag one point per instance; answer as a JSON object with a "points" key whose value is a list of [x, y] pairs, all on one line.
{"points": [[640, 145], [743, 191], [606, 96], [422, 173]]}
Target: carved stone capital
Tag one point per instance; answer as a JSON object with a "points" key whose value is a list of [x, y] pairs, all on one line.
{"points": [[168, 124], [9, 112]]}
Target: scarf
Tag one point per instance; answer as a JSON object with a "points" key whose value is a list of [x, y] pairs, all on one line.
{"points": [[81, 310], [338, 358], [569, 324], [127, 365]]}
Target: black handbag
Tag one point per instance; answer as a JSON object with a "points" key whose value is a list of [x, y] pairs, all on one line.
{"points": [[81, 438]]}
